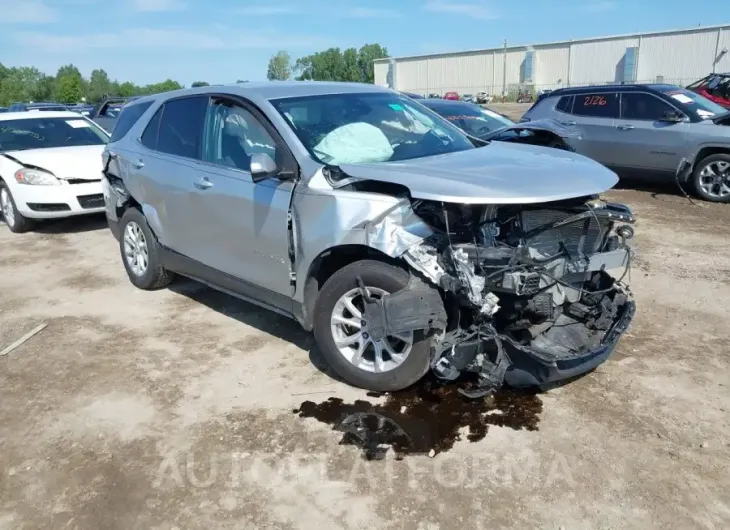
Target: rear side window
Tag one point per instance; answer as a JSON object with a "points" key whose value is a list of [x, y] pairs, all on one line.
{"points": [[565, 104], [127, 119], [181, 127], [149, 136], [604, 105]]}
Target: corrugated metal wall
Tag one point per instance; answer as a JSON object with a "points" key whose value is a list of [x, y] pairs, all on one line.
{"points": [[598, 61], [723, 64], [677, 57]]}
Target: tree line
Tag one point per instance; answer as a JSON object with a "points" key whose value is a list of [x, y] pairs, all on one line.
{"points": [[27, 83], [333, 64]]}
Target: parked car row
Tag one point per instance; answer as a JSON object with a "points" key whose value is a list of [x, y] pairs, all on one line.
{"points": [[410, 235], [479, 97]]}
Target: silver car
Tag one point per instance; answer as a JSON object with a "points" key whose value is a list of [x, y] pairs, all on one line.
{"points": [[646, 131], [402, 243]]}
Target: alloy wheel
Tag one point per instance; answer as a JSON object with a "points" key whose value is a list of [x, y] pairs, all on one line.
{"points": [[136, 252], [715, 179], [7, 207], [350, 333]]}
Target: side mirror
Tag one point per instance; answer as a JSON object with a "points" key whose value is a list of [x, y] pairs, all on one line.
{"points": [[262, 167], [672, 116]]}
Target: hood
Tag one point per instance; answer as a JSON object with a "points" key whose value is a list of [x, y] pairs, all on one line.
{"points": [[83, 162], [498, 173], [547, 124]]}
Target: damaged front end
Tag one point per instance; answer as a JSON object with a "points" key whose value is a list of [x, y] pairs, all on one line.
{"points": [[526, 293]]}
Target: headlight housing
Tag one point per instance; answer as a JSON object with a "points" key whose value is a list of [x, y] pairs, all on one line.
{"points": [[36, 177]]}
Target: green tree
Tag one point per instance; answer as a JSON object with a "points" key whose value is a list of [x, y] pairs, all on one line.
{"points": [[70, 89], [45, 89], [350, 67], [127, 89], [279, 67], [365, 57], [199, 83], [99, 86], [335, 65], [19, 85]]}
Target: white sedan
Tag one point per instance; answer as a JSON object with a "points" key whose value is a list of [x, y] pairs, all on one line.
{"points": [[50, 167]]}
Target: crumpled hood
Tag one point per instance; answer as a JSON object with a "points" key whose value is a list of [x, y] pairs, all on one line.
{"points": [[499, 173], [83, 162]]}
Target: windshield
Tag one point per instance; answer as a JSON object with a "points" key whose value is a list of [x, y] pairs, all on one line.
{"points": [[700, 105], [44, 133], [369, 127], [473, 120]]}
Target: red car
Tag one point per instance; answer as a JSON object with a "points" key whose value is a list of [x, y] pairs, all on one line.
{"points": [[453, 96], [715, 87]]}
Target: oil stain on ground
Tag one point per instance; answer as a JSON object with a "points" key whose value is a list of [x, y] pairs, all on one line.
{"points": [[424, 419]]}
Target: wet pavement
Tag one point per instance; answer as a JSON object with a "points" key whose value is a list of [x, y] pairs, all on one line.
{"points": [[428, 418]]}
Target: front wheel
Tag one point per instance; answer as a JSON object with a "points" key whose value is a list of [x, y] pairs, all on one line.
{"points": [[393, 363], [711, 178], [16, 222]]}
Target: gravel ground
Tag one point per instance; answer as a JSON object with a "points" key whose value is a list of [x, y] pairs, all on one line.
{"points": [[174, 409]]}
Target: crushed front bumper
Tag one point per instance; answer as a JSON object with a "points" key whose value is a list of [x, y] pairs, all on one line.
{"points": [[531, 370]]}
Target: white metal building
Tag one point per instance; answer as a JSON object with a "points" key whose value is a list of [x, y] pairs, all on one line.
{"points": [[678, 57]]}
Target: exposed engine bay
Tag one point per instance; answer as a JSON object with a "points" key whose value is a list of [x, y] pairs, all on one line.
{"points": [[526, 288]]}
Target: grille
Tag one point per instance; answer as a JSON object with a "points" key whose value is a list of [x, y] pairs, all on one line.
{"points": [[82, 181], [91, 201], [49, 207], [548, 242]]}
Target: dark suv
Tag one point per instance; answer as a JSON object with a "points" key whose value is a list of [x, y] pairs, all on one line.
{"points": [[645, 132]]}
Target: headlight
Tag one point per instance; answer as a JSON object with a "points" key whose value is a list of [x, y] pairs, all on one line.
{"points": [[36, 177]]}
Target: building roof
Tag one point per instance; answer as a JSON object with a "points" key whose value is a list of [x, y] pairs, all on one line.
{"points": [[558, 43]]}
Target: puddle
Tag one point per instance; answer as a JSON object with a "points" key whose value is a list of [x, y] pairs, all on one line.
{"points": [[427, 417]]}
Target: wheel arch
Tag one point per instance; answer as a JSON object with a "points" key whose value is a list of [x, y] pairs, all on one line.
{"points": [[325, 265], [709, 150]]}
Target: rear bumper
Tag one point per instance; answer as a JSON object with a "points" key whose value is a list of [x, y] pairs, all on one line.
{"points": [[64, 200], [530, 370]]}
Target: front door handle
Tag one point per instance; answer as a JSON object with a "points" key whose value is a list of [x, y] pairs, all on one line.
{"points": [[626, 127], [203, 183], [568, 123], [137, 164]]}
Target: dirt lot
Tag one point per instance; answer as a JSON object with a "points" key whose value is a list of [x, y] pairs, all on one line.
{"points": [[174, 409]]}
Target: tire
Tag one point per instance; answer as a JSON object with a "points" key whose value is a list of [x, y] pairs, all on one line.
{"points": [[17, 223], [153, 276], [713, 160], [376, 275]]}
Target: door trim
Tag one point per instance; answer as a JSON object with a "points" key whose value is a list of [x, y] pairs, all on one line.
{"points": [[221, 281]]}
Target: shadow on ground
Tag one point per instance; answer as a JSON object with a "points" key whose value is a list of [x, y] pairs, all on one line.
{"points": [[72, 225], [256, 317]]}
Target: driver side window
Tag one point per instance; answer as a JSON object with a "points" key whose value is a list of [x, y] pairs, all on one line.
{"points": [[233, 134]]}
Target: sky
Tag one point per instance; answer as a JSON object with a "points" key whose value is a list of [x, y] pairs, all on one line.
{"points": [[220, 41]]}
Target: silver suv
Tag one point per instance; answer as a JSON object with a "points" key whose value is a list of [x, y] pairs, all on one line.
{"points": [[404, 244], [645, 132]]}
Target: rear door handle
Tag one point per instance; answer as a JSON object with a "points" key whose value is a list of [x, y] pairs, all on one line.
{"points": [[626, 127], [137, 164], [203, 183]]}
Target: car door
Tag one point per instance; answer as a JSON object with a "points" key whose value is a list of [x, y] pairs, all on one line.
{"points": [[167, 173], [645, 140], [594, 115], [244, 232]]}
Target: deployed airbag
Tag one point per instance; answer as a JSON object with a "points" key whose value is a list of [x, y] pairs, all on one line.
{"points": [[354, 143]]}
